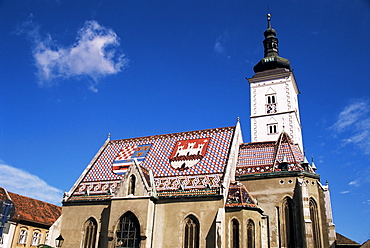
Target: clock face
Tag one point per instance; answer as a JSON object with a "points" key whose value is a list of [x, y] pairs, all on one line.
{"points": [[271, 108]]}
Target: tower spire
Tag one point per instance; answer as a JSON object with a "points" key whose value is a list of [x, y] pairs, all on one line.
{"points": [[271, 59]]}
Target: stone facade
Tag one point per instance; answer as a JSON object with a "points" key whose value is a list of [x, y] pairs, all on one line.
{"points": [[208, 188]]}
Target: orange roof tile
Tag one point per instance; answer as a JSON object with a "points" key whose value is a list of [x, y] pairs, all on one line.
{"points": [[29, 209]]}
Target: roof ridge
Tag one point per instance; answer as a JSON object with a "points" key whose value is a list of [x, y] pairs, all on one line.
{"points": [[172, 134], [345, 240], [8, 193], [239, 200]]}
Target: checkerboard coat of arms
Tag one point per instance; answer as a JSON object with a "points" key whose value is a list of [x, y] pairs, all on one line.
{"points": [[188, 153], [127, 155]]}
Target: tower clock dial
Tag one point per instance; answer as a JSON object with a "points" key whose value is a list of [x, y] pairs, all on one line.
{"points": [[271, 108]]}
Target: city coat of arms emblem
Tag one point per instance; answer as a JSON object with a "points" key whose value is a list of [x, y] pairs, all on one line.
{"points": [[188, 153]]}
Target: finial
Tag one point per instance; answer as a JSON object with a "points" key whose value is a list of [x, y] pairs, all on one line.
{"points": [[108, 136], [268, 20], [238, 119], [313, 164]]}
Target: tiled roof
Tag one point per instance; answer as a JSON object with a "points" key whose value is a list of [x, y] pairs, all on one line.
{"points": [[263, 157], [29, 209], [342, 240], [239, 197], [170, 168]]}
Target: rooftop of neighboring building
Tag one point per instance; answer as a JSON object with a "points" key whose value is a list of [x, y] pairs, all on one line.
{"points": [[366, 244], [343, 241], [31, 210]]}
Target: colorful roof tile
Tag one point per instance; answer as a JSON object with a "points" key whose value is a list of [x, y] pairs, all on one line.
{"points": [[199, 160], [239, 197], [264, 157], [29, 209]]}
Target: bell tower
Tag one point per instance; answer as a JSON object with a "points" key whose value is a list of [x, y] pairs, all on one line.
{"points": [[274, 95]]}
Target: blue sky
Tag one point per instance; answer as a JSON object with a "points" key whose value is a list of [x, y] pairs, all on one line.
{"points": [[73, 71]]}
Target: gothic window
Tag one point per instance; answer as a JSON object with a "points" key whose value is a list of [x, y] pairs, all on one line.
{"points": [[288, 223], [315, 224], [272, 129], [235, 233], [131, 186], [36, 238], [251, 232], [128, 232], [271, 98], [90, 233], [22, 239], [191, 237]]}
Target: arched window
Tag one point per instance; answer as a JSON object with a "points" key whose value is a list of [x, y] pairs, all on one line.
{"points": [[128, 231], [36, 238], [90, 233], [131, 185], [235, 234], [191, 237], [23, 234], [251, 232], [315, 224], [288, 223]]}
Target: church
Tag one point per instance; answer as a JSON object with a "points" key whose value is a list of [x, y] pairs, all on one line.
{"points": [[208, 188]]}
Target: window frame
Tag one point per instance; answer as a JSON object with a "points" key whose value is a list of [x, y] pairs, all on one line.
{"points": [[131, 185], [23, 236], [235, 233], [288, 220], [90, 232], [36, 238], [315, 221], [128, 224], [191, 232], [272, 129], [251, 234]]}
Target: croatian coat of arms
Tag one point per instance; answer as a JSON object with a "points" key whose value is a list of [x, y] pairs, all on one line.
{"points": [[127, 155]]}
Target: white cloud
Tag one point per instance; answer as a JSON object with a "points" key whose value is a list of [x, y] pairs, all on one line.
{"points": [[353, 183], [23, 183], [344, 192], [354, 124], [94, 54], [219, 46]]}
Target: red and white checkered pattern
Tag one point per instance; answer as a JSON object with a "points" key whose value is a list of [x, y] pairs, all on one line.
{"points": [[126, 153]]}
